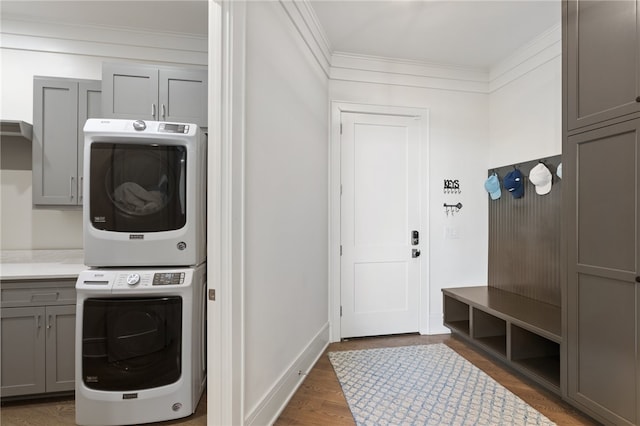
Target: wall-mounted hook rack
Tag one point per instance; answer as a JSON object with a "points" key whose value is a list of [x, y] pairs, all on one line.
{"points": [[452, 208]]}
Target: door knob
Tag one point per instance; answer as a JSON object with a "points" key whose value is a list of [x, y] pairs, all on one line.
{"points": [[415, 253]]}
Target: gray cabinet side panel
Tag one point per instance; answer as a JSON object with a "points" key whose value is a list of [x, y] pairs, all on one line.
{"points": [[23, 351], [61, 326], [183, 96], [55, 142], [129, 91]]}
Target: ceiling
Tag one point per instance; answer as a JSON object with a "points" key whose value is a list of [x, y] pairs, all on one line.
{"points": [[467, 33], [183, 16]]}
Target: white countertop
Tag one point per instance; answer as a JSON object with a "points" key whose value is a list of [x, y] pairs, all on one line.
{"points": [[41, 264]]}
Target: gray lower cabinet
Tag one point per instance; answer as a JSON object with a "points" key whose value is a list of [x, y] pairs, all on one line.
{"points": [[603, 60], [147, 92], [37, 355], [601, 169], [61, 106]]}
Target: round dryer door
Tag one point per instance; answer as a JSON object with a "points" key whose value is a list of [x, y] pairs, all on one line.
{"points": [[137, 188]]}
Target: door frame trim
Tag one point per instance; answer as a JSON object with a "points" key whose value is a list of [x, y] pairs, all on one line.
{"points": [[225, 213], [337, 108]]}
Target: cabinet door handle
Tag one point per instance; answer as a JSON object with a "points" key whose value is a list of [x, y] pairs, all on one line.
{"points": [[71, 188], [153, 111], [80, 189], [163, 112], [49, 323], [38, 322]]}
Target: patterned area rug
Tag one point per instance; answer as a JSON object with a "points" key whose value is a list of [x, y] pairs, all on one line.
{"points": [[425, 385]]}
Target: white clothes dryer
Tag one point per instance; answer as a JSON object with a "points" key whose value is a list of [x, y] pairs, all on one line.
{"points": [[140, 344], [144, 193]]}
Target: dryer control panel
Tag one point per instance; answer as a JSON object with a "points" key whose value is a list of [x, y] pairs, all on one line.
{"points": [[133, 279], [107, 281], [168, 278]]}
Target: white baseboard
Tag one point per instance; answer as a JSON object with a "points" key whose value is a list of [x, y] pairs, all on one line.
{"points": [[436, 325], [268, 410]]}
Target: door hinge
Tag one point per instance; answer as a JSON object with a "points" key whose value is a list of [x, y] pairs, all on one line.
{"points": [[340, 128], [341, 250], [340, 310], [212, 294], [340, 189]]}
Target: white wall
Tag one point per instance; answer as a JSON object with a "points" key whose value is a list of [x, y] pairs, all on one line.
{"points": [[526, 110], [285, 207], [36, 48], [478, 120], [458, 149]]}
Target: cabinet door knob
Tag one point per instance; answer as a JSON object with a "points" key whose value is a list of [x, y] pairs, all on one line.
{"points": [[638, 279], [638, 99]]}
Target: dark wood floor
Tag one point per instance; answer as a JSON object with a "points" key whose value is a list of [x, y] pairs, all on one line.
{"points": [[320, 401]]}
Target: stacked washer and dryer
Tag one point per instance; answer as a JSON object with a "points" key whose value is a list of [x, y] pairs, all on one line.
{"points": [[140, 316]]}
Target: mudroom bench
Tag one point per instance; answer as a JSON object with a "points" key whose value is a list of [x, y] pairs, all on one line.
{"points": [[522, 332]]}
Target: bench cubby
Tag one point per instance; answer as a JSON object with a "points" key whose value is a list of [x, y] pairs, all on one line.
{"points": [[490, 331], [456, 315], [523, 333]]}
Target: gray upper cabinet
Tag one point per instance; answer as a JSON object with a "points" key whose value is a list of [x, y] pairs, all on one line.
{"points": [[60, 108], [603, 332], [603, 61], [145, 92]]}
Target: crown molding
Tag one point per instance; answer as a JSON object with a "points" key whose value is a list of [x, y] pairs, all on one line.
{"points": [[101, 41], [542, 49], [305, 21], [370, 69]]}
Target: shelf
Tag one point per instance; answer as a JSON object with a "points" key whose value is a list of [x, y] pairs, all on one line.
{"points": [[536, 353], [460, 326], [456, 315], [16, 128], [495, 343], [490, 331], [547, 368]]}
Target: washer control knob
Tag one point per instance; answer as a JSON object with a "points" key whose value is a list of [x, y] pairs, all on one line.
{"points": [[139, 125], [133, 279]]}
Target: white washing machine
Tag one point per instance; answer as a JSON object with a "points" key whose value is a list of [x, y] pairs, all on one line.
{"points": [[144, 193], [140, 344]]}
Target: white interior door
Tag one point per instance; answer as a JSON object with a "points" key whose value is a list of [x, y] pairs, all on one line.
{"points": [[379, 210]]}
